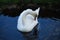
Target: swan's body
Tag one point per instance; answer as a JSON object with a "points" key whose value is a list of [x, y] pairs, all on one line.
{"points": [[27, 20]]}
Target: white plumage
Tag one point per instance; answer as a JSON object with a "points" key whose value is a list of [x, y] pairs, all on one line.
{"points": [[27, 20]]}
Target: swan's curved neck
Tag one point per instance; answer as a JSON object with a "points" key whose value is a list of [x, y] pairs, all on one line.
{"points": [[24, 17], [24, 14]]}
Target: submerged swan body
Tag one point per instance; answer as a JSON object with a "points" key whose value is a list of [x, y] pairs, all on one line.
{"points": [[27, 20]]}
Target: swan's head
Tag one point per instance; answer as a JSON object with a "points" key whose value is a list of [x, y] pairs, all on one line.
{"points": [[35, 13]]}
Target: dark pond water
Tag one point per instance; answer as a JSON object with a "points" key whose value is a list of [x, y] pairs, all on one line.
{"points": [[48, 29]]}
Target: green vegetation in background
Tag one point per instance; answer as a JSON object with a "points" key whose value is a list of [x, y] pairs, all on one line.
{"points": [[23, 2], [28, 1], [8, 1], [46, 1]]}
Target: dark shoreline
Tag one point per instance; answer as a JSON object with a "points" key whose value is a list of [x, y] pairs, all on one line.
{"points": [[47, 10]]}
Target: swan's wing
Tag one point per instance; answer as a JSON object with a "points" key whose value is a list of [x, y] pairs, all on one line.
{"points": [[30, 27]]}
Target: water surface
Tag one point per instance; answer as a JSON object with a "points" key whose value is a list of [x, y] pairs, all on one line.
{"points": [[48, 29]]}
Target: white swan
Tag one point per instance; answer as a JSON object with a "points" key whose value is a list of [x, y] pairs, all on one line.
{"points": [[27, 20]]}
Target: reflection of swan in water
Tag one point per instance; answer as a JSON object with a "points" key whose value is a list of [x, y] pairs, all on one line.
{"points": [[27, 20]]}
